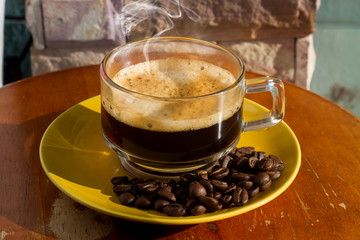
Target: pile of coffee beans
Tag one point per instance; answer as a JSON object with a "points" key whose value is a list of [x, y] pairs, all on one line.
{"points": [[238, 177]]}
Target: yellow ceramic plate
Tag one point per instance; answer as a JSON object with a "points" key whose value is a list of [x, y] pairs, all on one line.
{"points": [[76, 159]]}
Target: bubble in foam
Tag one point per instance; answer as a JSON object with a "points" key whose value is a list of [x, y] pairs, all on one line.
{"points": [[173, 77]]}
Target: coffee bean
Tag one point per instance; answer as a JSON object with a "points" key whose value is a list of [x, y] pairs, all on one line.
{"points": [[224, 162], [236, 197], [126, 198], [245, 184], [274, 175], [219, 185], [122, 187], [207, 185], [261, 179], [208, 202], [167, 195], [142, 202], [239, 177], [219, 173], [160, 203], [148, 187], [253, 191], [244, 196], [198, 210], [196, 190], [119, 180], [174, 209]]}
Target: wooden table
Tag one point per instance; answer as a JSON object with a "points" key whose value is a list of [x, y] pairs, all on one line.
{"points": [[322, 203]]}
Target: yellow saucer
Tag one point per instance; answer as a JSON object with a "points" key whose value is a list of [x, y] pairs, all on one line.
{"points": [[76, 159]]}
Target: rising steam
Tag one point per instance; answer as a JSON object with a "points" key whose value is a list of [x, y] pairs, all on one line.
{"points": [[134, 13]]}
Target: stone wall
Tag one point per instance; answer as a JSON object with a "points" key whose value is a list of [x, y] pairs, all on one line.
{"points": [[272, 37]]}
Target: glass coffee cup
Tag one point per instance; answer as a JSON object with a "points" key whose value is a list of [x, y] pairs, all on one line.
{"points": [[171, 105]]}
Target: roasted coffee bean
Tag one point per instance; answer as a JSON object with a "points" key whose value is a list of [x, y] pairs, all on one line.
{"points": [[119, 180], [261, 179], [239, 177], [198, 210], [160, 203], [253, 161], [244, 196], [126, 198], [188, 177], [219, 185], [274, 175], [196, 190], [253, 191], [230, 188], [219, 173], [191, 202], [245, 184], [247, 150], [207, 185], [174, 209], [217, 195], [236, 197], [148, 187], [122, 187], [142, 202], [209, 202], [265, 186], [202, 174], [167, 195], [226, 200], [224, 162]]}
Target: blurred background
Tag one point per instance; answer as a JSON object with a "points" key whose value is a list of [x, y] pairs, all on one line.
{"points": [[311, 43]]}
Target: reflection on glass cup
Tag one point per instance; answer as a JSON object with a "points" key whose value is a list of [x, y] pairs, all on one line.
{"points": [[172, 105]]}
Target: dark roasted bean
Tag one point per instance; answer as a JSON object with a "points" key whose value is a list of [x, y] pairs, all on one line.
{"points": [[119, 180], [265, 186], [174, 209], [126, 198], [247, 150], [225, 200], [239, 177], [224, 162], [230, 188], [274, 175], [191, 202], [236, 197], [219, 185], [122, 187], [160, 203], [253, 192], [142, 202], [208, 202], [202, 174], [244, 196], [219, 173], [198, 210], [167, 195], [196, 190], [217, 195], [245, 184], [261, 179], [253, 161], [207, 185], [148, 187]]}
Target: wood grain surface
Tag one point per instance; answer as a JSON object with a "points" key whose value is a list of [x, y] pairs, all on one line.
{"points": [[322, 203]]}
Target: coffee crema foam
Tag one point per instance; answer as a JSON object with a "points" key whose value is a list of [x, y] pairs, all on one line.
{"points": [[174, 78]]}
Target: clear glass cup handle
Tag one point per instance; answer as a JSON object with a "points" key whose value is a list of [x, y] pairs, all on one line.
{"points": [[276, 88]]}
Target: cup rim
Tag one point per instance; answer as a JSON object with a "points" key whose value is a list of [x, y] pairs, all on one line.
{"points": [[108, 80]]}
